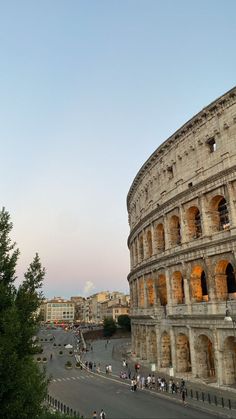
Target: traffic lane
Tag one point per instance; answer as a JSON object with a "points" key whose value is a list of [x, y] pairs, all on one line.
{"points": [[56, 365], [86, 392]]}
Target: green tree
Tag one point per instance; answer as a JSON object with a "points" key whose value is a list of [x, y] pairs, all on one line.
{"points": [[23, 386], [124, 322], [109, 326]]}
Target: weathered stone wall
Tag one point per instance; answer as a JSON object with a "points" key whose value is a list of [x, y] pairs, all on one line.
{"points": [[182, 243]]}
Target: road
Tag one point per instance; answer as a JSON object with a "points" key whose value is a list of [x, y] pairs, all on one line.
{"points": [[85, 391]]}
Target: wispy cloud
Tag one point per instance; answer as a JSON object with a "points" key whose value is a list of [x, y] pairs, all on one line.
{"points": [[89, 287]]}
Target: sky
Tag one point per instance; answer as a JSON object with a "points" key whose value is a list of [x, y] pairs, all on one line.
{"points": [[89, 89]]}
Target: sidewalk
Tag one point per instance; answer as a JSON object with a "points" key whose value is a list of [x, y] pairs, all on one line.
{"points": [[219, 401]]}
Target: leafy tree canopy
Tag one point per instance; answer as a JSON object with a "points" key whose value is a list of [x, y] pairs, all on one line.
{"points": [[124, 321], [109, 326], [23, 387]]}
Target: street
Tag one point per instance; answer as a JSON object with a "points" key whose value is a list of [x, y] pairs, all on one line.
{"points": [[87, 391]]}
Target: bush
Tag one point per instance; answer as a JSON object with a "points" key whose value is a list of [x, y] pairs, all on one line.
{"points": [[44, 359], [60, 352], [38, 359], [54, 344], [71, 352], [68, 364]]}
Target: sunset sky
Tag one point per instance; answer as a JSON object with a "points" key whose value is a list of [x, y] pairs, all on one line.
{"points": [[89, 89]]}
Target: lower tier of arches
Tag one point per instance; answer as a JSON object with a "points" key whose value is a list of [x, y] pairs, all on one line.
{"points": [[200, 351]]}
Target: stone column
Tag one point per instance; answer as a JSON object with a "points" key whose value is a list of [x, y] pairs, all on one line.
{"points": [[173, 349], [205, 216], [167, 232], [168, 289], [154, 239], [145, 292], [218, 355], [211, 285], [231, 199], [186, 272], [183, 226], [145, 245], [192, 351]]}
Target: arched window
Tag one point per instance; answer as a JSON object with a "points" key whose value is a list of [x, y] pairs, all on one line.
{"points": [[223, 214], [175, 230], [219, 213], [194, 223], [231, 283], [204, 284], [160, 238]]}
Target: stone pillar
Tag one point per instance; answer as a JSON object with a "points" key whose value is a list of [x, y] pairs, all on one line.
{"points": [[154, 239], [167, 232], [211, 284], [192, 351], [138, 296], [218, 355], [205, 216], [183, 226], [145, 292], [186, 272], [157, 328], [169, 293], [231, 199], [173, 349], [145, 245], [131, 286]]}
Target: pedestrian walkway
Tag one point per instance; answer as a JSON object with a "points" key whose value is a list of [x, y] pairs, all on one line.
{"points": [[219, 401]]}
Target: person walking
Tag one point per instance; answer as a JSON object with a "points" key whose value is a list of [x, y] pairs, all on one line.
{"points": [[102, 414], [183, 396], [94, 414]]}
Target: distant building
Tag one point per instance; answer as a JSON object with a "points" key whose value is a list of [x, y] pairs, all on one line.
{"points": [[59, 309], [80, 309]]}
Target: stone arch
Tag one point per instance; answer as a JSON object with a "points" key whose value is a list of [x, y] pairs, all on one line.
{"points": [[160, 234], [161, 289], [150, 291], [194, 222], [166, 360], [219, 213], [141, 250], [149, 243], [225, 280], [198, 281], [205, 358], [175, 230], [229, 361], [178, 288], [183, 362]]}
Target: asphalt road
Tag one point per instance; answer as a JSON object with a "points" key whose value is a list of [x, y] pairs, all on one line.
{"points": [[85, 391]]}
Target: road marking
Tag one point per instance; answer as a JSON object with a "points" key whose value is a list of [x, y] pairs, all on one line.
{"points": [[59, 379], [68, 379], [73, 378]]}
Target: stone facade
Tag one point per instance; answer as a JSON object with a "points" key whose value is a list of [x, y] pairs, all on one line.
{"points": [[182, 242]]}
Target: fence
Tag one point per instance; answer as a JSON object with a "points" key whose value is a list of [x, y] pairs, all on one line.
{"points": [[207, 397], [61, 407]]}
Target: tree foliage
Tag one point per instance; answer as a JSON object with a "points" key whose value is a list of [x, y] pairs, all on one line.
{"points": [[124, 322], [23, 386], [109, 326]]}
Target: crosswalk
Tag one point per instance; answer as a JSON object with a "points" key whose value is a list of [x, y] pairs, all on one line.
{"points": [[79, 377]]}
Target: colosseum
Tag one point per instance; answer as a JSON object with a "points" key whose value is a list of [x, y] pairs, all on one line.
{"points": [[182, 242]]}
